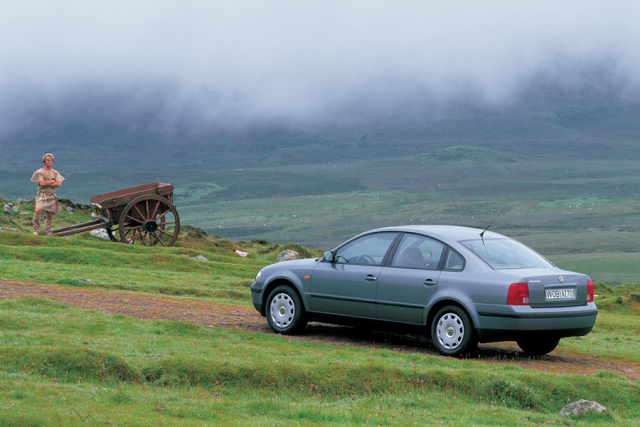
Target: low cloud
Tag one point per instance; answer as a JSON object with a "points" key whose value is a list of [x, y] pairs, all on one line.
{"points": [[166, 64]]}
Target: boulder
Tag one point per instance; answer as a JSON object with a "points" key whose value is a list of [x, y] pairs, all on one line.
{"points": [[581, 407], [242, 254], [288, 255], [101, 233], [197, 257]]}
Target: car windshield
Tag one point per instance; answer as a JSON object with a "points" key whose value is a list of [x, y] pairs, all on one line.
{"points": [[506, 253]]}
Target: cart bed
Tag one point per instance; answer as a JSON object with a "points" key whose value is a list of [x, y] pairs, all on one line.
{"points": [[124, 196]]}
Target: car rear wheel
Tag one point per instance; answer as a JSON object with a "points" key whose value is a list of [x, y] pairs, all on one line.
{"points": [[285, 313], [538, 346], [452, 332]]}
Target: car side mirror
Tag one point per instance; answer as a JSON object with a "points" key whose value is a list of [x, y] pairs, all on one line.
{"points": [[328, 256]]}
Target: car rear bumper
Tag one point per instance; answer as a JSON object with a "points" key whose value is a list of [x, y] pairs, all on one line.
{"points": [[511, 323]]}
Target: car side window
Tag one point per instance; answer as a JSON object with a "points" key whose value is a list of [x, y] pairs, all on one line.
{"points": [[367, 250], [417, 251], [454, 261]]}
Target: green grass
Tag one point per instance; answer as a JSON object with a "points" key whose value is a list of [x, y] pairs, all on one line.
{"points": [[613, 268], [85, 261], [65, 366]]}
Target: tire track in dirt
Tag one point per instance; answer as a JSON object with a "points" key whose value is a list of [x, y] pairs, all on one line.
{"points": [[247, 319]]}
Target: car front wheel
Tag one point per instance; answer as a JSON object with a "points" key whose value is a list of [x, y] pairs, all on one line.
{"points": [[452, 332], [285, 313], [538, 346]]}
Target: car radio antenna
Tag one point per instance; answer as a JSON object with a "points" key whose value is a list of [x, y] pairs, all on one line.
{"points": [[494, 219]]}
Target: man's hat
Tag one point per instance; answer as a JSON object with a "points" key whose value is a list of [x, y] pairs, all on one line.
{"points": [[48, 155]]}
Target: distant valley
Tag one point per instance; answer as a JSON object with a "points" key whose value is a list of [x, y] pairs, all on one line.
{"points": [[562, 166]]}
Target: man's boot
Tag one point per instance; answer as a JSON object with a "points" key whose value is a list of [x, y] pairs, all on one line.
{"points": [[36, 223], [48, 225]]}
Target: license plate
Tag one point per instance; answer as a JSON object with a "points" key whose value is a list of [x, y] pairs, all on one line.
{"points": [[554, 294]]}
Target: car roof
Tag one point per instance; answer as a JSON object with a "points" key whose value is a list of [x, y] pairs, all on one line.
{"points": [[442, 232]]}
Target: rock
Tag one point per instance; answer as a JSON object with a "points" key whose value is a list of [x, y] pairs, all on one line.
{"points": [[101, 233], [242, 254], [22, 201], [288, 255], [16, 209], [89, 281], [70, 209], [93, 215], [197, 257], [7, 208], [581, 407], [8, 229]]}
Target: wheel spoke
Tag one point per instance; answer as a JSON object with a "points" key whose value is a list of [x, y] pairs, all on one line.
{"points": [[159, 239], [133, 230], [164, 213], [133, 219], [138, 209], [155, 210], [164, 232]]}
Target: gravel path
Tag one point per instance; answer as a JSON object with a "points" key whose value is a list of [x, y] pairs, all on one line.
{"points": [[247, 319]]}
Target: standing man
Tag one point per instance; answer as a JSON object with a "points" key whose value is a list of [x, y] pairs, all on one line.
{"points": [[48, 180]]}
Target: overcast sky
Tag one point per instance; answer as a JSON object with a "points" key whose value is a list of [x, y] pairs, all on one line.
{"points": [[244, 60]]}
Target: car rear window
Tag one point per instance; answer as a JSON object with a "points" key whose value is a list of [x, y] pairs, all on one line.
{"points": [[506, 253]]}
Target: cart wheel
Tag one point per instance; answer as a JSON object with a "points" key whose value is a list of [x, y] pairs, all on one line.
{"points": [[148, 221]]}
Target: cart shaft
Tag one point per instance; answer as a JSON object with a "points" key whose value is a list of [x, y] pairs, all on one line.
{"points": [[79, 228]]}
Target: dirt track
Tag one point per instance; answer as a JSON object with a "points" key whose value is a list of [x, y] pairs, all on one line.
{"points": [[247, 319]]}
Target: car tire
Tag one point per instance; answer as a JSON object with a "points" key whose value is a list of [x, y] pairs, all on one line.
{"points": [[452, 332], [285, 312], [538, 346]]}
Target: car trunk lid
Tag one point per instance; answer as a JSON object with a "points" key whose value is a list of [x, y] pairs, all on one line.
{"points": [[557, 290]]}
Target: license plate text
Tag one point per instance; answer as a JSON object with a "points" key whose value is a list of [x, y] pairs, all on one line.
{"points": [[553, 294]]}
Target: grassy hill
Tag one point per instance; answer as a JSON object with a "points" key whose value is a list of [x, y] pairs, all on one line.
{"points": [[610, 255], [67, 366], [561, 165]]}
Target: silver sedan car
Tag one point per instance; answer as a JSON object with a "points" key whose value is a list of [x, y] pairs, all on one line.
{"points": [[458, 285]]}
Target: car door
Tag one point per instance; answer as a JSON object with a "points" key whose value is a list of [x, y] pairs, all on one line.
{"points": [[407, 284], [347, 285]]}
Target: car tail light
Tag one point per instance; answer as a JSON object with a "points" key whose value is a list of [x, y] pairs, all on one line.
{"points": [[590, 291], [518, 294]]}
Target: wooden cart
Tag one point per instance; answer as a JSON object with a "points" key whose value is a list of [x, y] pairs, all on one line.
{"points": [[141, 215]]}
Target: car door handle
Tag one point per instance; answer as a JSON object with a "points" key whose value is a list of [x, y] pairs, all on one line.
{"points": [[429, 282], [370, 278]]}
